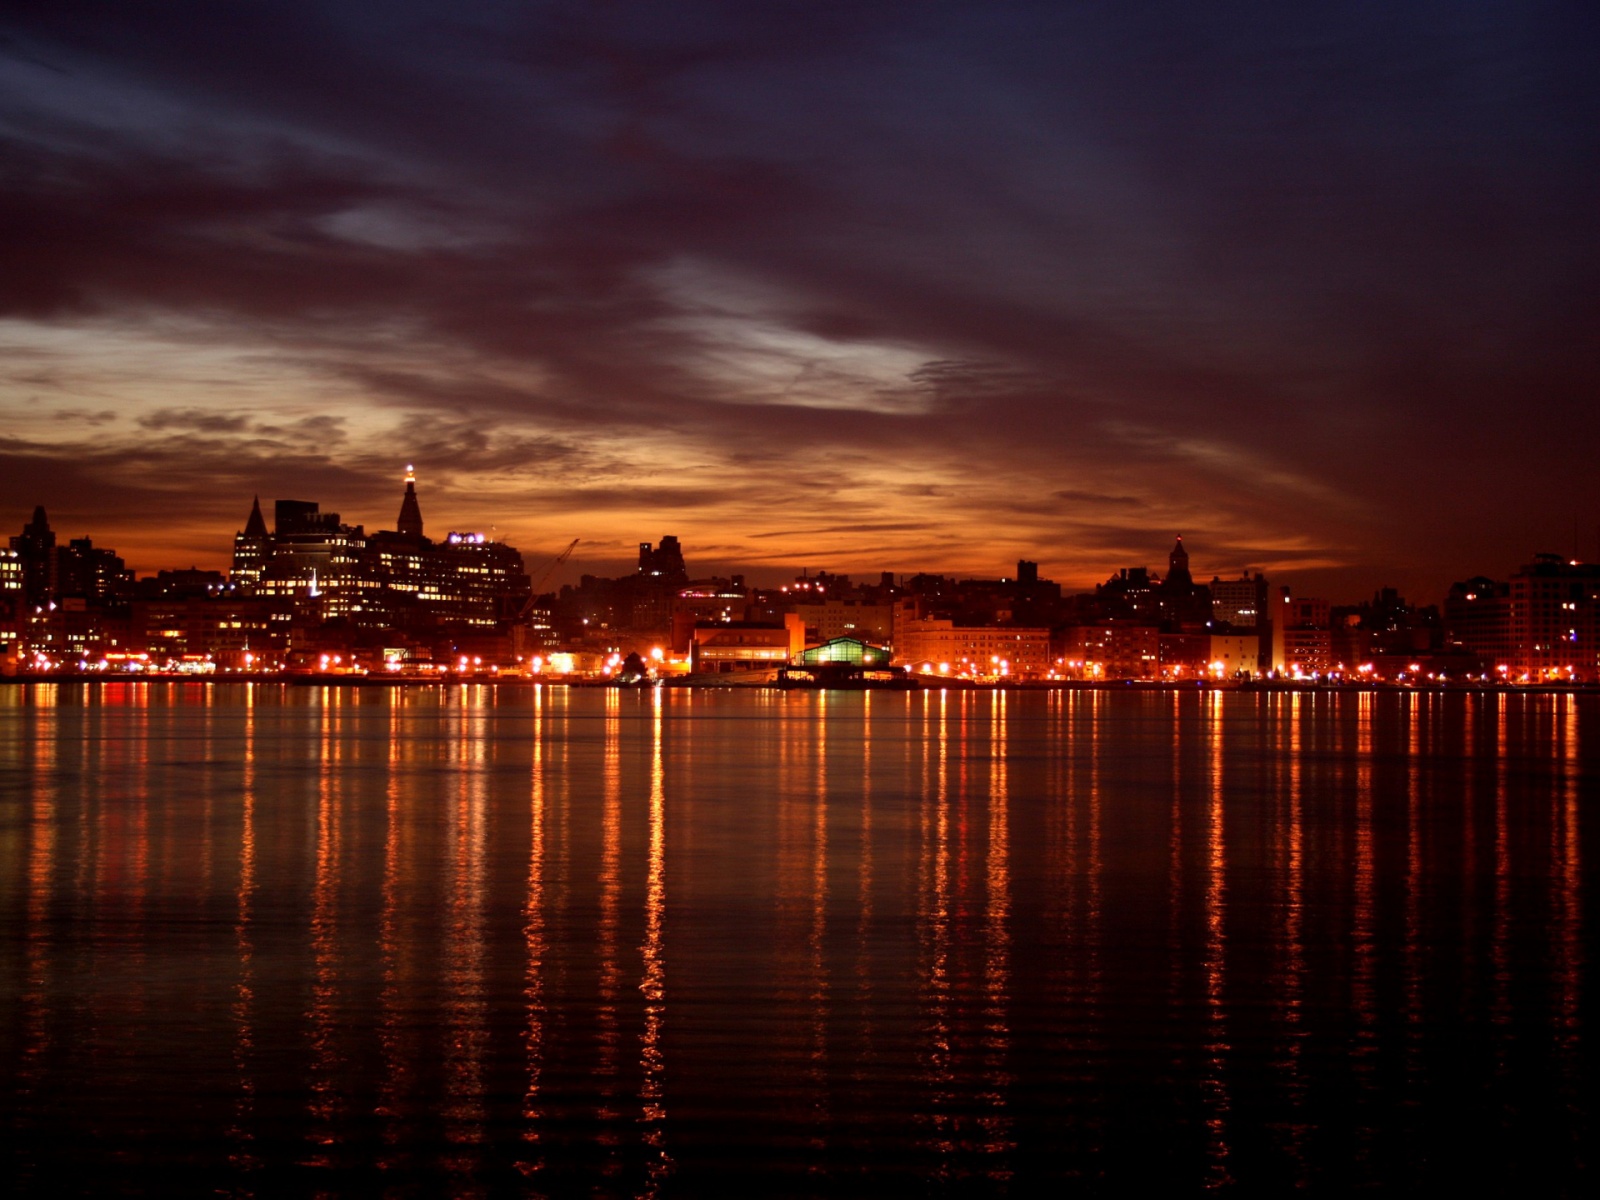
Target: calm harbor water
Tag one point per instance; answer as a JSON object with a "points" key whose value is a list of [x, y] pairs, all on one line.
{"points": [[275, 940]]}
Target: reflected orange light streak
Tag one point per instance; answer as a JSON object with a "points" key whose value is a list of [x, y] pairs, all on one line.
{"points": [[934, 926], [40, 752], [326, 1104], [817, 939], [1469, 836], [1362, 948], [1218, 1101], [1412, 952], [863, 989], [606, 934], [1567, 883], [1293, 988], [1175, 905], [241, 1132], [653, 984], [398, 1082], [466, 1010], [996, 1123], [533, 936], [1500, 935]]}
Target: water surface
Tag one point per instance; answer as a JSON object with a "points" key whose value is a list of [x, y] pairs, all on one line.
{"points": [[267, 940]]}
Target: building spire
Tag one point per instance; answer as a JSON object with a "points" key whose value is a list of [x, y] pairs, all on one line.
{"points": [[256, 526], [409, 523]]}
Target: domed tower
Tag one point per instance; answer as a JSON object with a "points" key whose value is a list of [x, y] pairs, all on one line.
{"points": [[409, 524]]}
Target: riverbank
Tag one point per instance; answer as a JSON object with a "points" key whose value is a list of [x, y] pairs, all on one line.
{"points": [[766, 680]]}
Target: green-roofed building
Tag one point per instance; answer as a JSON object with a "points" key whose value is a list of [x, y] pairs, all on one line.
{"points": [[845, 650]]}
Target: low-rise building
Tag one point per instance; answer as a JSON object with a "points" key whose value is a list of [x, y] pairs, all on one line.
{"points": [[1234, 655], [718, 647], [1110, 650], [975, 650]]}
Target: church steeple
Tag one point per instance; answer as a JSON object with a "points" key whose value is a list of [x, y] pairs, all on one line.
{"points": [[256, 526], [409, 523]]}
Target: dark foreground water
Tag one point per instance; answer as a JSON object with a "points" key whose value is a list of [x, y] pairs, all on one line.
{"points": [[267, 940]]}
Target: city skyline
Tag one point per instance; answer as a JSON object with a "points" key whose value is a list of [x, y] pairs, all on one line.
{"points": [[814, 288], [564, 566], [313, 592]]}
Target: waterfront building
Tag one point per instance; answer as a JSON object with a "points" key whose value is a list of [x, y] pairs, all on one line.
{"points": [[845, 650], [722, 646], [1555, 619], [1477, 618], [1114, 649], [221, 625], [977, 650], [1234, 655], [1184, 655], [1302, 644]]}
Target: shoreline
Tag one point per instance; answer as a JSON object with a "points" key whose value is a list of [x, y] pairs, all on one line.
{"points": [[1042, 685]]}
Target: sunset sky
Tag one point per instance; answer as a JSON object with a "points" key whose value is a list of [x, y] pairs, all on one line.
{"points": [[859, 286]]}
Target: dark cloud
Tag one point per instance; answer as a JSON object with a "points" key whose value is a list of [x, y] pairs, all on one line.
{"points": [[79, 416], [1097, 498], [193, 419], [883, 527]]}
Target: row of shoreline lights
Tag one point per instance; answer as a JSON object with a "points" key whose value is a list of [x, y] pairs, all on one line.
{"points": [[562, 663]]}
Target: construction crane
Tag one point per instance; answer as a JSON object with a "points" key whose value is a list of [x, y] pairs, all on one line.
{"points": [[537, 583]]}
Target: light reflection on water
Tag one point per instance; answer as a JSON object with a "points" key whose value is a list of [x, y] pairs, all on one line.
{"points": [[264, 939]]}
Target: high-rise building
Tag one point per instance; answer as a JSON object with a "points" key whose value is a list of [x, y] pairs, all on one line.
{"points": [[664, 562], [11, 583], [1241, 603], [1302, 643], [1555, 619], [250, 546], [397, 579], [36, 550], [12, 608], [1185, 604], [316, 562], [89, 571], [1477, 617]]}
